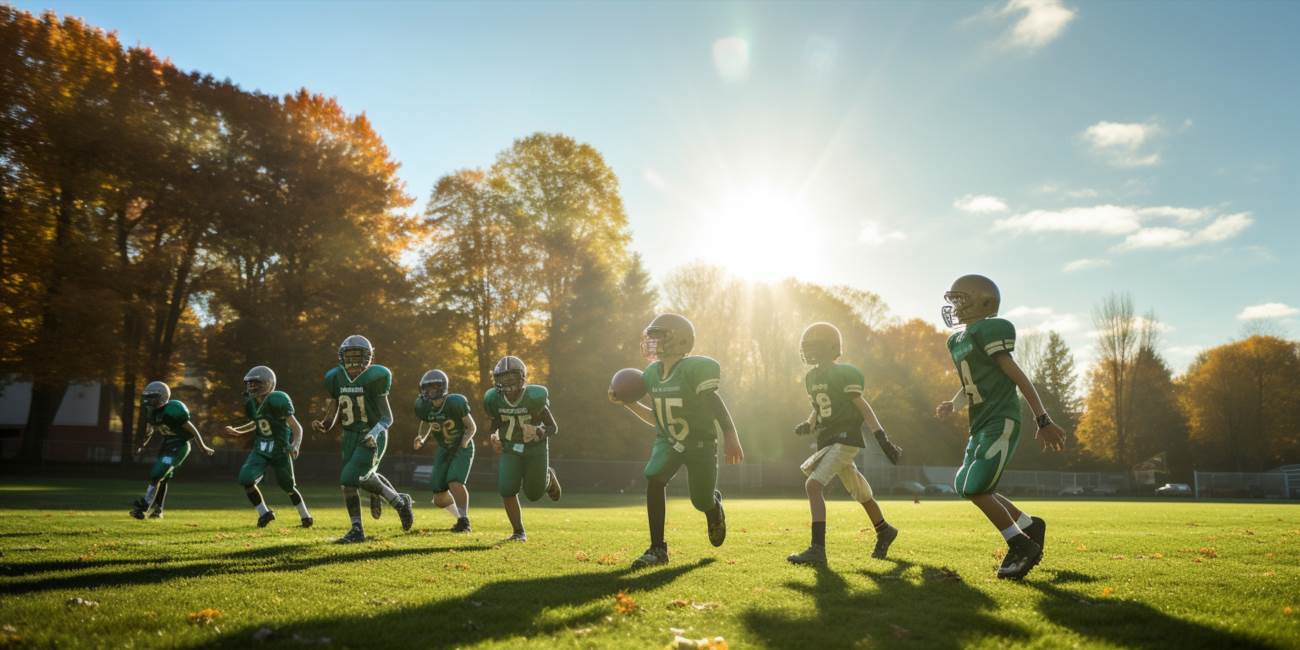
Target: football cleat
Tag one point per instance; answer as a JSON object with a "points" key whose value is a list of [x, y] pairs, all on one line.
{"points": [[307, 522], [883, 539], [402, 504], [266, 518], [1022, 556], [520, 536], [462, 526], [376, 506], [356, 534], [718, 524], [652, 556], [1036, 531], [139, 508], [553, 489], [814, 554], [156, 514]]}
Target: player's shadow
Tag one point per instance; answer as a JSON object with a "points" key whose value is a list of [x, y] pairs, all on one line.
{"points": [[1126, 623], [521, 608], [936, 609]]}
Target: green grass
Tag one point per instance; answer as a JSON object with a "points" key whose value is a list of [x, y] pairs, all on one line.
{"points": [[1115, 575]]}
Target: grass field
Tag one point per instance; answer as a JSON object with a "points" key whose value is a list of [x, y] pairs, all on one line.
{"points": [[1115, 574]]}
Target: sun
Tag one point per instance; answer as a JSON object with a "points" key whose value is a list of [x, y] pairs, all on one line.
{"points": [[758, 232]]}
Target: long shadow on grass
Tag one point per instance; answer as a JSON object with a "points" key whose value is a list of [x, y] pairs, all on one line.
{"points": [[495, 611], [938, 611], [1127, 623]]}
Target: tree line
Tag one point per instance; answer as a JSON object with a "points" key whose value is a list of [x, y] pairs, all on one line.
{"points": [[163, 224]]}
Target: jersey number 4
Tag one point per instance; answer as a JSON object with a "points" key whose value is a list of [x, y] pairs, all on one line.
{"points": [[346, 405], [677, 427], [968, 384]]}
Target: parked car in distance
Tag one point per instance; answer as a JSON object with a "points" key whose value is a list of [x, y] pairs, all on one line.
{"points": [[909, 487], [1101, 491], [940, 489], [1174, 490], [1071, 491]]}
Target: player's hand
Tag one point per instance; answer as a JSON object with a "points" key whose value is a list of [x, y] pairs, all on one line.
{"points": [[612, 399], [1052, 436], [944, 409], [318, 426], [419, 442], [735, 454], [496, 442], [209, 450], [804, 428], [892, 451], [530, 433], [139, 451], [293, 452], [370, 441]]}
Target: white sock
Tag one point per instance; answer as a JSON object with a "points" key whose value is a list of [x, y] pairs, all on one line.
{"points": [[149, 492], [1024, 521], [455, 512], [464, 512], [262, 509], [302, 510], [1010, 532]]}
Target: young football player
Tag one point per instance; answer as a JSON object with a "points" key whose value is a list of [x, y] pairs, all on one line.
{"points": [[448, 420], [358, 400], [278, 439], [521, 426], [981, 351], [171, 421], [689, 415], [842, 420]]}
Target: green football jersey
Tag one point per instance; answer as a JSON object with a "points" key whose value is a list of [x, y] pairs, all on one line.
{"points": [[272, 419], [682, 414], [832, 391], [358, 398], [448, 420], [528, 410], [991, 393], [169, 422]]}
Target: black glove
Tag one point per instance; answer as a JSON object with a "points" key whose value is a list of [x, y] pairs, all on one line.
{"points": [[892, 451], [803, 429]]}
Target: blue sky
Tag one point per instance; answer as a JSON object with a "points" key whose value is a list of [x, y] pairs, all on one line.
{"points": [[1065, 149]]}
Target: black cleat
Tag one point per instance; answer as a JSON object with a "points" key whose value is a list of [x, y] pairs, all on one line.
{"points": [[520, 536], [652, 556], [814, 554], [1037, 531], [462, 526], [266, 518], [402, 504], [1022, 556], [884, 538], [307, 522], [156, 514], [376, 506], [356, 534], [553, 489], [718, 524]]}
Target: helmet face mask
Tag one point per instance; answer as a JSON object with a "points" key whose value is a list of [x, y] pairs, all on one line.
{"points": [[821, 343], [155, 395], [433, 385], [356, 354], [668, 335], [971, 298], [510, 375], [259, 382]]}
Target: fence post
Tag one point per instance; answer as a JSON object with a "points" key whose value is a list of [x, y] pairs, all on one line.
{"points": [[1196, 484]]}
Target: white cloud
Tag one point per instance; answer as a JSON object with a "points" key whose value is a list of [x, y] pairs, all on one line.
{"points": [[980, 204], [1084, 264], [1040, 22], [654, 179], [1267, 310], [1221, 229], [1100, 219], [1123, 143], [1040, 320], [731, 58], [874, 234], [1133, 223]]}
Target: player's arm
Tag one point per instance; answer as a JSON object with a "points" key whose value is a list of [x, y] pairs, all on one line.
{"points": [[328, 417], [731, 441], [645, 413], [546, 429], [808, 425], [494, 430], [381, 426], [422, 432], [871, 426], [295, 441], [1049, 433], [957, 401], [194, 431], [242, 429], [471, 428], [148, 435]]}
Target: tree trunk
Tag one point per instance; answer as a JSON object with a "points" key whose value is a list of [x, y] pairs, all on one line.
{"points": [[47, 387]]}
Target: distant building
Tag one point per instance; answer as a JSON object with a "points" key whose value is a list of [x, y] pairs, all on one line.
{"points": [[87, 428]]}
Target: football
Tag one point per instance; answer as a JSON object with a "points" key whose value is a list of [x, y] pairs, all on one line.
{"points": [[627, 385]]}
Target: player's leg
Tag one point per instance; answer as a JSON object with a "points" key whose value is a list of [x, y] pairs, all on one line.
{"points": [[1033, 526], [816, 469], [702, 479], [376, 482], [857, 486], [987, 454], [160, 499], [538, 473], [439, 482], [510, 478], [457, 477], [356, 463], [285, 478], [377, 498], [249, 476], [659, 470]]}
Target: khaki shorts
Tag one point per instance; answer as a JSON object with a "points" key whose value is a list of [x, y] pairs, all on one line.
{"points": [[837, 460]]}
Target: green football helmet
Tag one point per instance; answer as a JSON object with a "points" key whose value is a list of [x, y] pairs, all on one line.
{"points": [[155, 395], [434, 385], [259, 382], [971, 298], [820, 343], [510, 375], [356, 353], [666, 336]]}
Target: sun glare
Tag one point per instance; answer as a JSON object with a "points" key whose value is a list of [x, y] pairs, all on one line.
{"points": [[760, 233]]}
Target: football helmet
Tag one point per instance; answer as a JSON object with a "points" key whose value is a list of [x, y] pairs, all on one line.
{"points": [[259, 382], [510, 375], [356, 353], [433, 385], [667, 335], [971, 298], [820, 343], [155, 394]]}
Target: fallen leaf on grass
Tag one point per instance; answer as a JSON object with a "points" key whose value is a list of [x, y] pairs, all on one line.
{"points": [[1106, 591], [581, 556], [1117, 557], [459, 566], [1286, 611], [1081, 548], [683, 643], [80, 602], [583, 631], [624, 604], [999, 554], [205, 616], [679, 603], [1209, 552], [1158, 556], [609, 560], [9, 636]]}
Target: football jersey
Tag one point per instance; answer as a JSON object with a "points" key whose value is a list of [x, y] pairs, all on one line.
{"points": [[682, 414], [273, 435], [358, 398], [169, 422], [991, 393], [832, 391], [448, 420], [527, 410]]}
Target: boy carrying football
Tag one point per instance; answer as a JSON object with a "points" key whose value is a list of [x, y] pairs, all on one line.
{"points": [[171, 421], [521, 427], [448, 420], [278, 439], [981, 351], [688, 415], [842, 420]]}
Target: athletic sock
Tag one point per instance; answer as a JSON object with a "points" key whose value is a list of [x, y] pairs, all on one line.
{"points": [[149, 491], [819, 533], [262, 509], [254, 497], [656, 502], [295, 498], [881, 526], [1024, 521], [160, 497], [353, 502], [1011, 532], [455, 512]]}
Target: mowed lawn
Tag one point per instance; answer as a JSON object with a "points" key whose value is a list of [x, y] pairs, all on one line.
{"points": [[1115, 574]]}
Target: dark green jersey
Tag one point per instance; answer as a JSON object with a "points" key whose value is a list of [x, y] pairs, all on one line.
{"points": [[991, 392], [169, 422], [273, 435], [832, 390], [448, 419], [528, 410], [683, 414], [358, 398]]}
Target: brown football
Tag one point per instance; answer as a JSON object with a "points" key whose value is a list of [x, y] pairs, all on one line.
{"points": [[627, 384]]}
